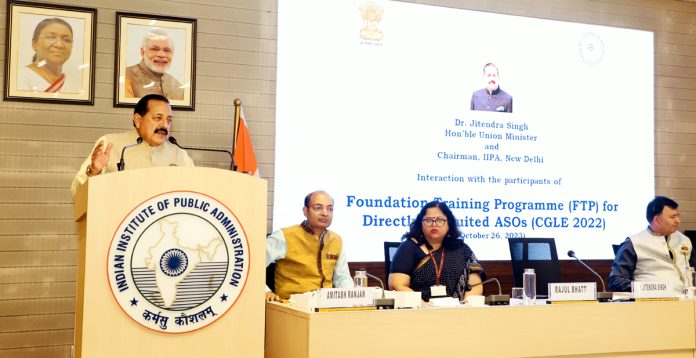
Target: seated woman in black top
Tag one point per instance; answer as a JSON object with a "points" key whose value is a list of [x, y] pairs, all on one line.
{"points": [[433, 259]]}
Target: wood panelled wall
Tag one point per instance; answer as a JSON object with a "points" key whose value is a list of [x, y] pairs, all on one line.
{"points": [[42, 145]]}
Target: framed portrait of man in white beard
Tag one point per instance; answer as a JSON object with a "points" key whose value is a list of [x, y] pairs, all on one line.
{"points": [[155, 54]]}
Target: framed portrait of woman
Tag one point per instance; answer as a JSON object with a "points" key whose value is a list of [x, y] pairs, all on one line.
{"points": [[50, 53], [155, 54]]}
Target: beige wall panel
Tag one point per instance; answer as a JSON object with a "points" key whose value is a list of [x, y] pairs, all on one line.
{"points": [[673, 171], [677, 71], [47, 164], [675, 149], [662, 102], [36, 195], [236, 42], [672, 59], [265, 142], [37, 259], [676, 116], [31, 149], [223, 84], [684, 38], [677, 48], [41, 352], [29, 323], [35, 226], [238, 57], [249, 29], [106, 44], [676, 127], [258, 100], [60, 114], [27, 307], [264, 156], [683, 140], [59, 210], [105, 61], [672, 93], [52, 242], [677, 183], [31, 132], [242, 4], [48, 111], [252, 72], [37, 290], [37, 274], [30, 339], [681, 160], [34, 178], [248, 17]]}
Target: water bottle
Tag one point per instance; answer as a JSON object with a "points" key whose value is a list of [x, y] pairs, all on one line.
{"points": [[529, 286], [360, 278]]}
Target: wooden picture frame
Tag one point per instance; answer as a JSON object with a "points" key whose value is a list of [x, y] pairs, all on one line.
{"points": [[50, 53], [155, 54]]}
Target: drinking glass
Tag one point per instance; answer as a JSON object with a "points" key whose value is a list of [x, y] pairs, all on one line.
{"points": [[516, 296]]}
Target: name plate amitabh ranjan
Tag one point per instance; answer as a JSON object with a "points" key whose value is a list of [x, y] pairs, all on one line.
{"points": [[345, 297], [573, 291], [652, 289]]}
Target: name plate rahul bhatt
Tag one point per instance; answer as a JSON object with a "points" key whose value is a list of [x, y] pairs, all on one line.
{"points": [[652, 289], [345, 297], [573, 291]]}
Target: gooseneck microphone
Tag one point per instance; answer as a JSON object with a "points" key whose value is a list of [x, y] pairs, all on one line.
{"points": [[495, 300], [232, 166], [380, 303], [122, 164], [603, 296]]}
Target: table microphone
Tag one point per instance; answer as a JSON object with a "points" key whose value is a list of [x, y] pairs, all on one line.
{"points": [[232, 166], [121, 163], [495, 300], [603, 296], [381, 303]]}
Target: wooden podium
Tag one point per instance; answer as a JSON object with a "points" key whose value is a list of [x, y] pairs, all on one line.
{"points": [[171, 264]]}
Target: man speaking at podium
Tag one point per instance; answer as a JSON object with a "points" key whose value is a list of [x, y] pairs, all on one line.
{"points": [[308, 256], [658, 253], [144, 147]]}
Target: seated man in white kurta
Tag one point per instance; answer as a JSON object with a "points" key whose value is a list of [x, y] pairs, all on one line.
{"points": [[659, 253], [152, 119]]}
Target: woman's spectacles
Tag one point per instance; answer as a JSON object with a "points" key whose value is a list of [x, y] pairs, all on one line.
{"points": [[436, 221], [53, 39]]}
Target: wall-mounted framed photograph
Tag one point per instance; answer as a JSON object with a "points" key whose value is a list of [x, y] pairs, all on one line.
{"points": [[155, 54], [50, 52]]}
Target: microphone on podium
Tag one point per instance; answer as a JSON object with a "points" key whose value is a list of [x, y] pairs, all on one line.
{"points": [[381, 303], [603, 296], [232, 166], [495, 300], [121, 163]]}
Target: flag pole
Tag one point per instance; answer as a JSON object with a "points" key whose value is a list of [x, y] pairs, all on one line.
{"points": [[235, 128]]}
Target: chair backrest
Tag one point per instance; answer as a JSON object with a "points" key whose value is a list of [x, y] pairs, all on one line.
{"points": [[539, 254], [389, 250], [270, 276], [616, 248], [691, 234]]}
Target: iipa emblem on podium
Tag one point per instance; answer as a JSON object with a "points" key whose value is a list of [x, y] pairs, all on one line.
{"points": [[178, 262]]}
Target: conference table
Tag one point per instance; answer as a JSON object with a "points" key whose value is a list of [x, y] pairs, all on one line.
{"points": [[618, 329]]}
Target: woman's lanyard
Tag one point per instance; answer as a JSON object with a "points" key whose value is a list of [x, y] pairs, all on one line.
{"points": [[438, 270]]}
